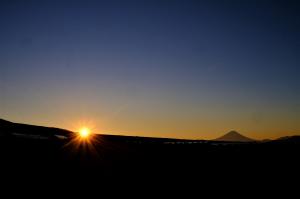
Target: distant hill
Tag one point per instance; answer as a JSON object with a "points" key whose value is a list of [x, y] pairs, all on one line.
{"points": [[17, 129], [234, 136], [288, 139]]}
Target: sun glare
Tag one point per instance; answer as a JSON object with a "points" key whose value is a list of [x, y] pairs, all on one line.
{"points": [[84, 132]]}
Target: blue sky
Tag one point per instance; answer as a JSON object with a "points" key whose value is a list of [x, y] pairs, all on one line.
{"points": [[192, 69]]}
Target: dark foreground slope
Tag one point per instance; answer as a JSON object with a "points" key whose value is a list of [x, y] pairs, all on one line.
{"points": [[32, 152]]}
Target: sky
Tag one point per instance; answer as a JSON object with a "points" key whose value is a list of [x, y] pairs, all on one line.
{"points": [[182, 69]]}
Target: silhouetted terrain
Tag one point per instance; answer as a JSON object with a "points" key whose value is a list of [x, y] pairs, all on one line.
{"points": [[27, 150], [234, 136]]}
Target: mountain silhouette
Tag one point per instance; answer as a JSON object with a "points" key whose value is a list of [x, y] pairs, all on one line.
{"points": [[294, 138], [10, 128], [234, 136]]}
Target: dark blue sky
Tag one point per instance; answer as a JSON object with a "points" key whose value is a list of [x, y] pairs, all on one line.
{"points": [[160, 68]]}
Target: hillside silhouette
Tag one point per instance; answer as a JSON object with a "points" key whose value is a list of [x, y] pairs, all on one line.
{"points": [[28, 150]]}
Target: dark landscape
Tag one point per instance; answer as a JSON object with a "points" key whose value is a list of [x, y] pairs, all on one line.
{"points": [[43, 152]]}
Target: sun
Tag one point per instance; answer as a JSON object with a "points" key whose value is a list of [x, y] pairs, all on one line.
{"points": [[84, 132]]}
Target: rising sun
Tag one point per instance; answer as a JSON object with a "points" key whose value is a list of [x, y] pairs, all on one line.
{"points": [[84, 132]]}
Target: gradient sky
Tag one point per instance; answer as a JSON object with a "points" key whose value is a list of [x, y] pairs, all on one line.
{"points": [[167, 68]]}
